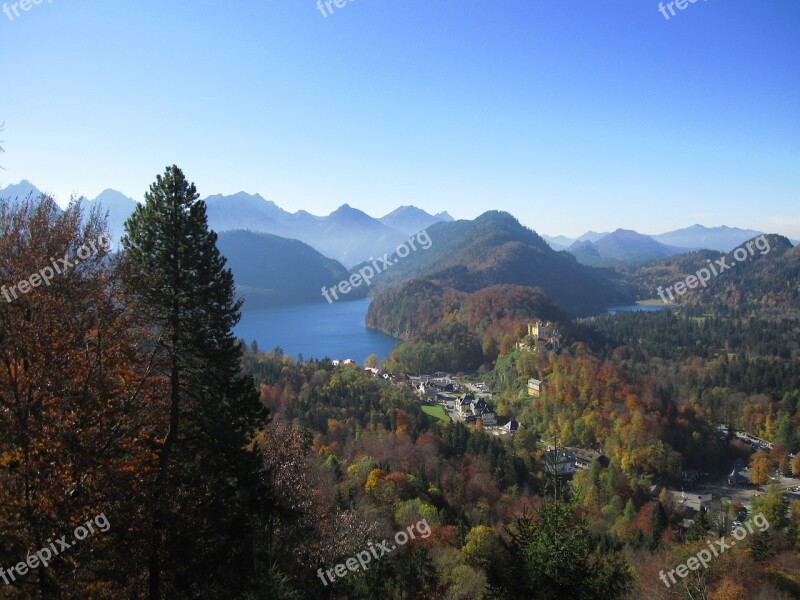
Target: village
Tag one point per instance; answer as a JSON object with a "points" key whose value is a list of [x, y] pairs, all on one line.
{"points": [[458, 398], [455, 398]]}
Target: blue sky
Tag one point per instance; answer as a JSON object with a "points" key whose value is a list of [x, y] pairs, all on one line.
{"points": [[570, 114]]}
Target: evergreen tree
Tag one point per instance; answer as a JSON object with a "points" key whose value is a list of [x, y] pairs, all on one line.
{"points": [[658, 523], [202, 534], [761, 546], [553, 556], [700, 526]]}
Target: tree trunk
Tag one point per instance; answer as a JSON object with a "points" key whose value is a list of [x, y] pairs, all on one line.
{"points": [[161, 482]]}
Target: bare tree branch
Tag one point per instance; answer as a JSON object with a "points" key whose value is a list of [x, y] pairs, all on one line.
{"points": [[1, 141]]}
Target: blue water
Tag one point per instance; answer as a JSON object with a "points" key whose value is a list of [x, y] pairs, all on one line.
{"points": [[612, 310], [316, 330]]}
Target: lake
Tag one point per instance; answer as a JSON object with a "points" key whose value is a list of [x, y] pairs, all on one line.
{"points": [[316, 330], [636, 308]]}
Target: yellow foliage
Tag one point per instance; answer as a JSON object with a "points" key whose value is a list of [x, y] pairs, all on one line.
{"points": [[372, 480]]}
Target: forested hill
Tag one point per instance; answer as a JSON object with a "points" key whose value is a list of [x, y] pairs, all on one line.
{"points": [[271, 270], [453, 330], [495, 249], [766, 281]]}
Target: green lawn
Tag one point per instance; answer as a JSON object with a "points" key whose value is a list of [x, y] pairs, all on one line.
{"points": [[436, 411], [650, 302]]}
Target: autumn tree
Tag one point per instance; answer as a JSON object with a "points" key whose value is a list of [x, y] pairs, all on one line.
{"points": [[75, 395], [796, 465], [760, 468], [481, 547], [774, 507], [206, 485], [730, 589]]}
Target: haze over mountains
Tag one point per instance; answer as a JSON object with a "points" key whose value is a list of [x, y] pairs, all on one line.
{"points": [[350, 235], [279, 257], [410, 219], [272, 271], [347, 234], [621, 247], [721, 239]]}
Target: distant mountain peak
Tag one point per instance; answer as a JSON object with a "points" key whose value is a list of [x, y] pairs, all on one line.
{"points": [[111, 196], [699, 227], [242, 196], [591, 236], [498, 216], [20, 190], [406, 209], [622, 246], [410, 219], [722, 238], [345, 210]]}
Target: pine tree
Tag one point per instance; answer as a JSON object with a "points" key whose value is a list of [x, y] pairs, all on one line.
{"points": [[700, 526], [761, 546], [658, 523], [206, 480], [552, 555]]}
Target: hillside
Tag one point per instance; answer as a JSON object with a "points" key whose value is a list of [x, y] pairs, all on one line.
{"points": [[495, 249], [760, 282], [271, 270], [621, 247], [447, 329]]}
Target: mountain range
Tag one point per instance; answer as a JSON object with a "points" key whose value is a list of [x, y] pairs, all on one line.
{"points": [[625, 247], [279, 257], [621, 247], [347, 234]]}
